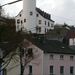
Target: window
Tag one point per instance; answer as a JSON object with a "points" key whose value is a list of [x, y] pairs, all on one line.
{"points": [[51, 25], [71, 70], [18, 21], [31, 13], [39, 29], [45, 30], [51, 56], [37, 15], [24, 20], [39, 21], [61, 70], [20, 15], [29, 52], [51, 69], [71, 57], [21, 22], [30, 69], [45, 22], [48, 24], [61, 57]]}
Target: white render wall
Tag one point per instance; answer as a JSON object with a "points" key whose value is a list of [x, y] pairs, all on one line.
{"points": [[72, 41], [29, 6], [33, 22], [19, 25], [42, 25]]}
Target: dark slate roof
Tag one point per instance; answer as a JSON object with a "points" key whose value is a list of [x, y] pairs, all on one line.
{"points": [[2, 19], [57, 33], [52, 46], [44, 14], [72, 47]]}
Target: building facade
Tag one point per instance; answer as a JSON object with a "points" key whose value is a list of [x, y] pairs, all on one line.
{"points": [[54, 58], [32, 19]]}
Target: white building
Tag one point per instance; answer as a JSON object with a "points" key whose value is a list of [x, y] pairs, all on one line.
{"points": [[33, 19]]}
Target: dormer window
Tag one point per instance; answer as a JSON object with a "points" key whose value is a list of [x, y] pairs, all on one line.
{"points": [[51, 25], [39, 29], [29, 52]]}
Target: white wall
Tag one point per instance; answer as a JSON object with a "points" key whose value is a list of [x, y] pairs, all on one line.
{"points": [[42, 25], [72, 41], [29, 6], [32, 22], [19, 25]]}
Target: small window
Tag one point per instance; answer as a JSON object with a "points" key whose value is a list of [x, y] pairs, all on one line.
{"points": [[51, 70], [21, 21], [48, 24], [18, 21], [61, 57], [51, 56], [20, 15], [39, 29], [37, 15], [45, 30], [39, 21], [31, 13], [71, 70], [71, 57], [45, 22], [24, 20], [51, 25], [30, 69], [61, 70]]}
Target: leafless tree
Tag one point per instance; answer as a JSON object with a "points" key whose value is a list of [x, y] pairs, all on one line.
{"points": [[22, 56]]}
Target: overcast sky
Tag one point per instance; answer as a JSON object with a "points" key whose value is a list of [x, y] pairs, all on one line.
{"points": [[62, 11]]}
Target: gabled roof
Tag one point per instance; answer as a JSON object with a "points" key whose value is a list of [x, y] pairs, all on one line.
{"points": [[42, 13], [53, 46]]}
